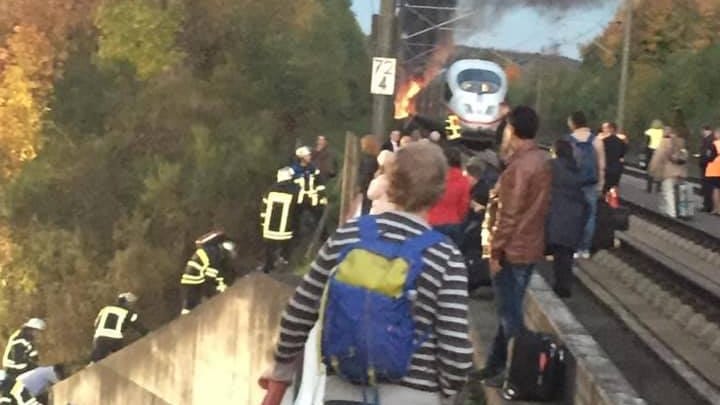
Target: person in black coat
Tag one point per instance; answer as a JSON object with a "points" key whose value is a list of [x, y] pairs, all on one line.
{"points": [[706, 153], [567, 216], [615, 149]]}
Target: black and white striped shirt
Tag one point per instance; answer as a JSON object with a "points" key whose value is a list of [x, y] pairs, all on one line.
{"points": [[443, 361]]}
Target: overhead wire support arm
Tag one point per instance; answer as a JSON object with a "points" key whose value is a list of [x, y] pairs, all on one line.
{"points": [[438, 8], [442, 24]]}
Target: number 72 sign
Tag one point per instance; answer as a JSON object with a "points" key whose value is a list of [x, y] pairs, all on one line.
{"points": [[383, 76]]}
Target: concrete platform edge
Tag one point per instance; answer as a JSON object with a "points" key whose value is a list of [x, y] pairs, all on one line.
{"points": [[689, 375], [593, 378]]}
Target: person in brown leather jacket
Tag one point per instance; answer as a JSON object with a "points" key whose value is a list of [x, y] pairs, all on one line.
{"points": [[517, 239]]}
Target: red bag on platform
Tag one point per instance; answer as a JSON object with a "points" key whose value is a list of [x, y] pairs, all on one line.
{"points": [[612, 198]]}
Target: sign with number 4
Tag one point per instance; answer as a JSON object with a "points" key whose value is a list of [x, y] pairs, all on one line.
{"points": [[383, 76]]}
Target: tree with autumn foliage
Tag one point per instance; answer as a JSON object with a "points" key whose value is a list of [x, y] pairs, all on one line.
{"points": [[675, 51], [130, 127]]}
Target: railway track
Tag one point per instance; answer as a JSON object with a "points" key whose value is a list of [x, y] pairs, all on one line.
{"points": [[663, 282]]}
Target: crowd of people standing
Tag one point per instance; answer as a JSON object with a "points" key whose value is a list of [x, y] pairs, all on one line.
{"points": [[512, 206]]}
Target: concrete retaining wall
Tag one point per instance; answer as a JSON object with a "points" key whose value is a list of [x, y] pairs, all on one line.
{"points": [[214, 355]]}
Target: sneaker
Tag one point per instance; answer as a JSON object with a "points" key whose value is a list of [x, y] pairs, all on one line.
{"points": [[281, 261], [583, 254]]}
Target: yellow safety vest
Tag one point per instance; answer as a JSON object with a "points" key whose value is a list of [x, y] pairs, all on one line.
{"points": [[656, 137]]}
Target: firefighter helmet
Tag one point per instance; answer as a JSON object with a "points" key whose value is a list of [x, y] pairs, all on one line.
{"points": [[303, 152], [284, 174], [127, 297], [35, 323]]}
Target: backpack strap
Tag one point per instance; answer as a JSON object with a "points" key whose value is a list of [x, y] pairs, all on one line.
{"points": [[413, 250], [368, 228]]}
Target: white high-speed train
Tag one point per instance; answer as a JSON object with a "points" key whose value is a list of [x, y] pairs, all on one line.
{"points": [[474, 89], [471, 89]]}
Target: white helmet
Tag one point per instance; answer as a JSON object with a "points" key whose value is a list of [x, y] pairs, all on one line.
{"points": [[127, 297], [230, 247], [303, 152], [285, 174], [35, 323]]}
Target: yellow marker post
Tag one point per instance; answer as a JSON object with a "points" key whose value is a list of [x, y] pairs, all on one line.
{"points": [[453, 130]]}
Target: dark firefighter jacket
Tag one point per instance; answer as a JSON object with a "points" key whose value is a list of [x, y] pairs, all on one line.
{"points": [[13, 392], [312, 191], [207, 265], [113, 320], [20, 353], [279, 211]]}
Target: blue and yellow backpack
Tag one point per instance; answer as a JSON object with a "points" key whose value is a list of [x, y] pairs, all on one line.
{"points": [[368, 332]]}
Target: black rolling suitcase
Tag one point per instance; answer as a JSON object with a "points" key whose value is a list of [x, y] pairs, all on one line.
{"points": [[536, 368], [605, 226]]}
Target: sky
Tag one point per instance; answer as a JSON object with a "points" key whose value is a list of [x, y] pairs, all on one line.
{"points": [[524, 28]]}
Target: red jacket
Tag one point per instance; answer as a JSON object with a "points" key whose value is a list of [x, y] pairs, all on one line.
{"points": [[455, 203]]}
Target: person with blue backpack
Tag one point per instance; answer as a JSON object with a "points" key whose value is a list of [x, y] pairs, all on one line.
{"points": [[590, 156], [390, 296]]}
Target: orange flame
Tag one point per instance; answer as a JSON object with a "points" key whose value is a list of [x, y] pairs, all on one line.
{"points": [[408, 91], [404, 102]]}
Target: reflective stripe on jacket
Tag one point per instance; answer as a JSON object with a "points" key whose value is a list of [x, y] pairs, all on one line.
{"points": [[110, 322], [199, 269], [20, 354], [277, 216]]}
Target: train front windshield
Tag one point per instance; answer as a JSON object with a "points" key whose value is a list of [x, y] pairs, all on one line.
{"points": [[479, 81]]}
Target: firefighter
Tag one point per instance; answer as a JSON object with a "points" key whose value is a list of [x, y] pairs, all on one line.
{"points": [[278, 218], [207, 270], [311, 195], [39, 381], [20, 353], [111, 324], [13, 392]]}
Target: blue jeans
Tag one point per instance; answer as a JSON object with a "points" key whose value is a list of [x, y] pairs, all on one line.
{"points": [[591, 197], [509, 286]]}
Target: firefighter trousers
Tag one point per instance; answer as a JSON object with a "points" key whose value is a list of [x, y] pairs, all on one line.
{"points": [[272, 247], [103, 347]]}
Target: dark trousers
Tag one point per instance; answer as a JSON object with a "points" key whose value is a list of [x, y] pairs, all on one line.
{"points": [[272, 247], [650, 181], [307, 220], [509, 286], [562, 267], [612, 179], [192, 295], [707, 191], [103, 347]]}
